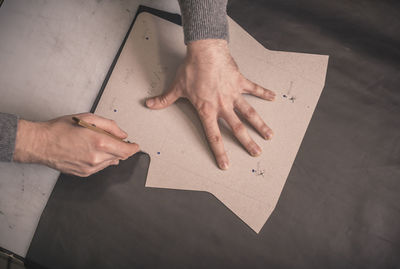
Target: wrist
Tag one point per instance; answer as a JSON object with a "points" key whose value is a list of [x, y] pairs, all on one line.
{"points": [[207, 48], [30, 142]]}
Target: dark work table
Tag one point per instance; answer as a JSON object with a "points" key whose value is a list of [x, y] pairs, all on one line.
{"points": [[340, 207]]}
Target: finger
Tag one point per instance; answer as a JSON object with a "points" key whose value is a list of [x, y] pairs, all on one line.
{"points": [[164, 100], [257, 90], [240, 132], [251, 115], [214, 139], [94, 159], [115, 162], [87, 168], [103, 123], [119, 149], [92, 170]]}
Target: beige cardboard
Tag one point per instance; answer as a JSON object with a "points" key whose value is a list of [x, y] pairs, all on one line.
{"points": [[180, 156]]}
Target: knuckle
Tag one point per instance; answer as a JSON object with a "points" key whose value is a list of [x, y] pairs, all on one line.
{"points": [[214, 138], [250, 113], [259, 91], [238, 128], [224, 106], [135, 148], [100, 144], [206, 110], [87, 172], [94, 159], [163, 100]]}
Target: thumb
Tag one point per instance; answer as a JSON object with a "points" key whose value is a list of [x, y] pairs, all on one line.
{"points": [[163, 100], [103, 123]]}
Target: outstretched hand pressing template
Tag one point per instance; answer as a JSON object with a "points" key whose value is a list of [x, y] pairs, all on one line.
{"points": [[210, 78]]}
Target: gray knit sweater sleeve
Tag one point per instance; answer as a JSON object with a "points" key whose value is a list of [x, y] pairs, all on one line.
{"points": [[8, 132], [204, 19]]}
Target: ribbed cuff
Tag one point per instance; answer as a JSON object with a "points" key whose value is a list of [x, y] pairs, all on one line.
{"points": [[8, 134], [204, 19]]}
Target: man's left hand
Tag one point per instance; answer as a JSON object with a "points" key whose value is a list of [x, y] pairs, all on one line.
{"points": [[211, 80]]}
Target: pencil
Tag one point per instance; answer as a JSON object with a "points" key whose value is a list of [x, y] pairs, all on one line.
{"points": [[95, 128]]}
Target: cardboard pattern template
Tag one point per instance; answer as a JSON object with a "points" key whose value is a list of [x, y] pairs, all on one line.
{"points": [[173, 137]]}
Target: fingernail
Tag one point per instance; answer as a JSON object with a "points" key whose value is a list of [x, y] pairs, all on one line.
{"points": [[266, 131], [270, 133], [256, 151], [224, 165], [149, 102]]}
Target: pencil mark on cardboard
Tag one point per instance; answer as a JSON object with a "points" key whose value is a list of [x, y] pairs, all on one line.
{"points": [[157, 79], [129, 72], [259, 171], [288, 94], [290, 88]]}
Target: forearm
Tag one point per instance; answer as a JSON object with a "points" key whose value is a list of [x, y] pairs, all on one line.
{"points": [[29, 142], [8, 132], [204, 19], [19, 139]]}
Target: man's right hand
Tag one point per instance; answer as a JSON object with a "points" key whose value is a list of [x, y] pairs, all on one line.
{"points": [[69, 148]]}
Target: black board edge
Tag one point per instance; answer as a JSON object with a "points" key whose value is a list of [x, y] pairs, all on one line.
{"points": [[171, 17]]}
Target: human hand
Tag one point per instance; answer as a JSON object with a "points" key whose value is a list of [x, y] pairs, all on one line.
{"points": [[211, 80], [69, 148]]}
